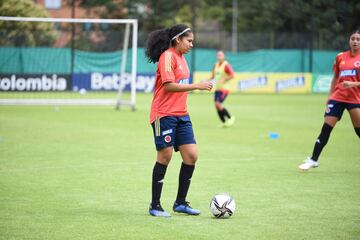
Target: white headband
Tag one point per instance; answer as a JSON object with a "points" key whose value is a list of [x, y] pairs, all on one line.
{"points": [[181, 33]]}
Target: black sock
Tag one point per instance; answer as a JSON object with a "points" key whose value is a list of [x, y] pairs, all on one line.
{"points": [[357, 130], [157, 182], [321, 141], [221, 115], [226, 113], [186, 172]]}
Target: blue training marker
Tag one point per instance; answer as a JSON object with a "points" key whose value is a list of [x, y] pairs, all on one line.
{"points": [[273, 135]]}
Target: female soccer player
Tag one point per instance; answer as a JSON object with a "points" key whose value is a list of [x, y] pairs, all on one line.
{"points": [[344, 93], [169, 116], [222, 73]]}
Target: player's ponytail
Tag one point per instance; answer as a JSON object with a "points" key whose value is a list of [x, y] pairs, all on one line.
{"points": [[160, 40]]}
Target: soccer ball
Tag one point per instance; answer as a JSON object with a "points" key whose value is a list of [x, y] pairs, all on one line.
{"points": [[82, 91], [222, 206]]}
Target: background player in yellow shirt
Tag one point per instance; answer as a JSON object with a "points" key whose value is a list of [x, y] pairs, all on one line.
{"points": [[222, 73]]}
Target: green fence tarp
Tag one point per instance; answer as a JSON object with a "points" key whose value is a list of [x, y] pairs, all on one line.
{"points": [[10, 61], [269, 61], [58, 60], [41, 60], [97, 62], [35, 60]]}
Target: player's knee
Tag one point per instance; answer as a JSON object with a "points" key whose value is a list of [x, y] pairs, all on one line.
{"points": [[192, 158], [357, 130], [164, 156], [218, 106], [164, 160]]}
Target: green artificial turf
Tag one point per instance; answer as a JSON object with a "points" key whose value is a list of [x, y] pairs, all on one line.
{"points": [[85, 172]]}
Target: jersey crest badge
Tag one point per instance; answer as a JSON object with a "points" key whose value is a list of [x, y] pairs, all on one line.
{"points": [[357, 64], [167, 139]]}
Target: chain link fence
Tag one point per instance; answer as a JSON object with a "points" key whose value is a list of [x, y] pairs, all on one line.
{"points": [[250, 41]]}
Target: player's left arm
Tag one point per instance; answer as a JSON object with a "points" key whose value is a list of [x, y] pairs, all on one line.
{"points": [[175, 87], [230, 73]]}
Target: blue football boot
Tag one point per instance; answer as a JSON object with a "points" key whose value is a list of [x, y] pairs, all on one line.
{"points": [[158, 211], [185, 208]]}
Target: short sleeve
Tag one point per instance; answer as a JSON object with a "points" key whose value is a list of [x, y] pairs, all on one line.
{"points": [[228, 69], [166, 67], [336, 65]]}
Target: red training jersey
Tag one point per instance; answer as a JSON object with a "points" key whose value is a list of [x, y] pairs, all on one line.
{"points": [[172, 67], [347, 68]]}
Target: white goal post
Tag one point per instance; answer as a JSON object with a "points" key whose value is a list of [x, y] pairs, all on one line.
{"points": [[131, 25]]}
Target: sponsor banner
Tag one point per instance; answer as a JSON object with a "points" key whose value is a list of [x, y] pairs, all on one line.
{"points": [[252, 83], [112, 81], [266, 82], [321, 83], [292, 82], [35, 82]]}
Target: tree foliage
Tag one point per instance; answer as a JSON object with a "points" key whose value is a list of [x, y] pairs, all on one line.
{"points": [[24, 33], [105, 8], [255, 15], [327, 19], [289, 15]]}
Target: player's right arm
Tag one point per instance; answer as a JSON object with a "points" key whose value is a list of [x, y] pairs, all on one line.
{"points": [[335, 76], [212, 74], [333, 84], [166, 67], [175, 87]]}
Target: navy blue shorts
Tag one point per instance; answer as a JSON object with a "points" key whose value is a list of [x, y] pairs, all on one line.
{"points": [[173, 131], [336, 108], [220, 96]]}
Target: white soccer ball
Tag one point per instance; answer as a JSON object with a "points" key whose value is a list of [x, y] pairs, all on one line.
{"points": [[82, 91], [222, 206]]}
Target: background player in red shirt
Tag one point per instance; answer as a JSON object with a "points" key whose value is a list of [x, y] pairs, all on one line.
{"points": [[344, 94], [169, 116]]}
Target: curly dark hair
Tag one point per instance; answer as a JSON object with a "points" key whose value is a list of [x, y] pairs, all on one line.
{"points": [[355, 31], [160, 40]]}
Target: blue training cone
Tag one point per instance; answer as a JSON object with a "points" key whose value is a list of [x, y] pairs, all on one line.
{"points": [[273, 135]]}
